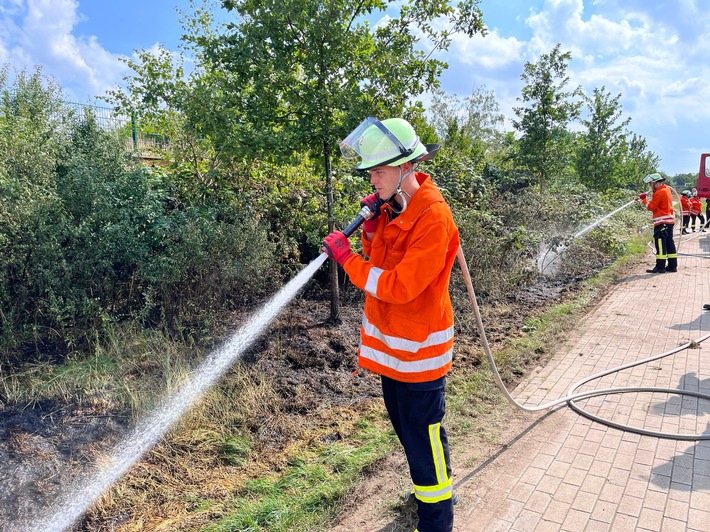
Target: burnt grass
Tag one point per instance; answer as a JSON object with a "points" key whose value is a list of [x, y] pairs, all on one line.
{"points": [[310, 362]]}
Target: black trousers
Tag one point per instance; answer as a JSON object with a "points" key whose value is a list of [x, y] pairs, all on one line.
{"points": [[416, 411], [665, 246]]}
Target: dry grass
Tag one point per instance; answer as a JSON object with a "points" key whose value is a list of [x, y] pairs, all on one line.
{"points": [[194, 476]]}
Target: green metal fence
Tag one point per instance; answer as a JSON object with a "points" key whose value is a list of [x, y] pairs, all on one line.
{"points": [[124, 125], [147, 145]]}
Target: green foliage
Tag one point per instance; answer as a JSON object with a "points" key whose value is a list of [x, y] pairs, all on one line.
{"points": [[601, 148], [91, 239], [458, 177], [638, 161], [545, 149], [608, 156], [235, 448], [471, 127], [306, 495], [33, 128], [683, 181]]}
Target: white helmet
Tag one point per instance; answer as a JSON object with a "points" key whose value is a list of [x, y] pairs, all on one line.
{"points": [[653, 178]]}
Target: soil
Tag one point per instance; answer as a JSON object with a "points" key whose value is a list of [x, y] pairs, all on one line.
{"points": [[311, 365]]}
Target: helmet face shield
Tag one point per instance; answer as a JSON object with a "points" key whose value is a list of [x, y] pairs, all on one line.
{"points": [[350, 147], [389, 143]]}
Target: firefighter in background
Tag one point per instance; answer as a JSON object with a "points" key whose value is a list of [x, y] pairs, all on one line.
{"points": [[407, 330], [696, 211], [661, 207], [685, 209]]}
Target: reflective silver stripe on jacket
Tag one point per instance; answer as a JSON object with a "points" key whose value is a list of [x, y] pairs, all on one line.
{"points": [[402, 344], [665, 219], [372, 278], [414, 366]]}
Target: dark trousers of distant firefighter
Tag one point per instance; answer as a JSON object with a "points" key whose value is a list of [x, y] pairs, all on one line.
{"points": [[686, 223], [701, 221], [665, 247], [416, 411], [697, 218]]}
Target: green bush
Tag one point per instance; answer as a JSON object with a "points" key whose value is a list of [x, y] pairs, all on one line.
{"points": [[90, 238]]}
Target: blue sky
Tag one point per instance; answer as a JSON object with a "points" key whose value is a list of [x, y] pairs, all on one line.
{"points": [[655, 54]]}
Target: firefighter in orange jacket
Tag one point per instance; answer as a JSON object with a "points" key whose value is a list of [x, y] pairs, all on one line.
{"points": [[661, 207], [685, 210], [696, 211], [407, 330]]}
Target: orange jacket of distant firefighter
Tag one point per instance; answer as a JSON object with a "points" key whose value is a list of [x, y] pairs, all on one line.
{"points": [[408, 325], [661, 206], [695, 206], [684, 205]]}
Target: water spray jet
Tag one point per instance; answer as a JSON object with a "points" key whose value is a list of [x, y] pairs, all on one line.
{"points": [[550, 252], [87, 488]]}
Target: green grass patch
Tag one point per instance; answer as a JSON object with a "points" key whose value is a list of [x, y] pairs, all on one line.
{"points": [[307, 496], [234, 449]]}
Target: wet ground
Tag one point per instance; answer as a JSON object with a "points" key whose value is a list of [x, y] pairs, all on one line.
{"points": [[41, 448]]}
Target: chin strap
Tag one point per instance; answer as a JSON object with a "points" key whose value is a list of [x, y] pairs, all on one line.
{"points": [[401, 193]]}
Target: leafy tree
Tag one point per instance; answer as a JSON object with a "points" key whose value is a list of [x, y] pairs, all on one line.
{"points": [[290, 79], [684, 181], [471, 127], [547, 109], [186, 109], [602, 147], [305, 72], [33, 126], [637, 161]]}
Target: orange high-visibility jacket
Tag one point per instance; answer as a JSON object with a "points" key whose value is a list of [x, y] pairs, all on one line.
{"points": [[661, 206], [684, 205], [407, 330], [695, 206]]}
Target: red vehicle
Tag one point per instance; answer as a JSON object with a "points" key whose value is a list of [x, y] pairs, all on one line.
{"points": [[704, 176]]}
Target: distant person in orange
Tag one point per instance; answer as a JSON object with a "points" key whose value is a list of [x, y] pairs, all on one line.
{"points": [[661, 207], [696, 211], [685, 210]]}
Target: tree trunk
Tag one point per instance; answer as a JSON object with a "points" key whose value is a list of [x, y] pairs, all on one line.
{"points": [[333, 266]]}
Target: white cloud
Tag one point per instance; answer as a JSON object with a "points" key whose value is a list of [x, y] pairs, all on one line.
{"points": [[655, 54], [628, 51], [41, 32], [491, 51]]}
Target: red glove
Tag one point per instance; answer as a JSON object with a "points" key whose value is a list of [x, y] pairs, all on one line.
{"points": [[337, 246], [642, 196], [369, 226], [372, 202]]}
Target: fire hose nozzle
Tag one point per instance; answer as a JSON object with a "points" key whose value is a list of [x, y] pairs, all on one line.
{"points": [[365, 214]]}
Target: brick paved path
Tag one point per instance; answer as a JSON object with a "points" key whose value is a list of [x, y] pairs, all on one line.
{"points": [[572, 474]]}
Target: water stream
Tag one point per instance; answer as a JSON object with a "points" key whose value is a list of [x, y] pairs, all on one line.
{"points": [[549, 254], [79, 497]]}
